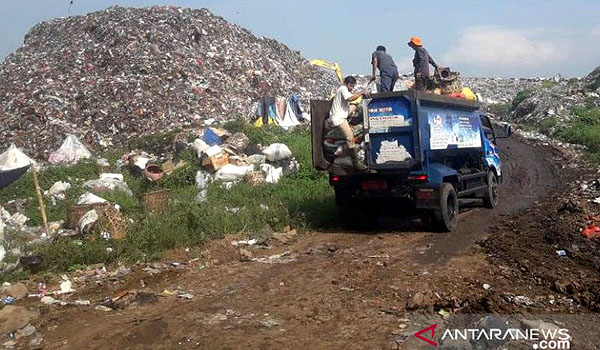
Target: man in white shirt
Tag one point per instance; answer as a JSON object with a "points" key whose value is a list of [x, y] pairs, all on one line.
{"points": [[340, 109]]}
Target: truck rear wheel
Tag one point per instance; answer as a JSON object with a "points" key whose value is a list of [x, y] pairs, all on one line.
{"points": [[446, 217], [490, 200]]}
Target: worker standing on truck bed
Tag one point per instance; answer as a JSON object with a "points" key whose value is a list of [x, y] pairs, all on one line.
{"points": [[421, 63], [387, 69], [338, 115]]}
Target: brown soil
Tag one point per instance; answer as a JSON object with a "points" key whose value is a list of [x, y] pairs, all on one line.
{"points": [[351, 290]]}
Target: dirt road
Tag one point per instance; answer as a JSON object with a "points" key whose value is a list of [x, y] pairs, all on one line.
{"points": [[344, 290]]}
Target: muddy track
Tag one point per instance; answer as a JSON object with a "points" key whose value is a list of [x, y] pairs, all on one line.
{"points": [[333, 290]]}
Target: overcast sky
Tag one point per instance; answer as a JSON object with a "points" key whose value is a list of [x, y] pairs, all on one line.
{"points": [[475, 37]]}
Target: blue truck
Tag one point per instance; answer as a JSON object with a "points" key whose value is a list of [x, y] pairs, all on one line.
{"points": [[426, 150]]}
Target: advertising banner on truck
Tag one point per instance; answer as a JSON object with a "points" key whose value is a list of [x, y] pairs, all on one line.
{"points": [[451, 129]]}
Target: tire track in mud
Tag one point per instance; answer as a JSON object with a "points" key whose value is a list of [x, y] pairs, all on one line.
{"points": [[528, 176]]}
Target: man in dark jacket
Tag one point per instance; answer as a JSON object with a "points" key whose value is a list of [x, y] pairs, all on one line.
{"points": [[421, 63], [387, 69]]}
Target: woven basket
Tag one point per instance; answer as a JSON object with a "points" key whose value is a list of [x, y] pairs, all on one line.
{"points": [[156, 200], [254, 178], [114, 222], [77, 211]]}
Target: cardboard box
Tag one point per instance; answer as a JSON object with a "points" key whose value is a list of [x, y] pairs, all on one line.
{"points": [[215, 162]]}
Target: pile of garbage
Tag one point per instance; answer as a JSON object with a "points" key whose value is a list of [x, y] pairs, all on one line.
{"points": [[556, 101], [121, 72], [222, 157], [500, 90]]}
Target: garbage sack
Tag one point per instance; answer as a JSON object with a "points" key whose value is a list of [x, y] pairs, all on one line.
{"points": [[88, 220], [468, 93], [71, 151], [90, 198], [199, 146], [232, 172], [14, 158], [239, 141], [107, 184], [272, 174], [277, 151], [58, 190]]}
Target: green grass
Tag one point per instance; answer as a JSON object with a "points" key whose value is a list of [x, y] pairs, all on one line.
{"points": [[548, 125], [499, 109], [303, 200], [547, 84], [521, 96], [583, 130]]}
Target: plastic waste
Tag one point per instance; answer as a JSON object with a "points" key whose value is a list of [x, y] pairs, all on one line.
{"points": [[107, 184], [232, 172], [71, 151], [277, 151], [591, 232], [199, 146], [18, 219], [66, 286], [87, 220], [211, 137], [14, 158], [103, 162], [272, 174], [58, 190], [141, 162], [90, 199], [203, 178], [111, 176]]}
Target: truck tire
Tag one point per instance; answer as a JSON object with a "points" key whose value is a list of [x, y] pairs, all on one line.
{"points": [[446, 217], [490, 200], [341, 197]]}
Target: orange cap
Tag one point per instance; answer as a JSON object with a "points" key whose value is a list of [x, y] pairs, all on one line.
{"points": [[415, 40]]}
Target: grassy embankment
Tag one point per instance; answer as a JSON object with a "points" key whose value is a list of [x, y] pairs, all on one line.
{"points": [[302, 200]]}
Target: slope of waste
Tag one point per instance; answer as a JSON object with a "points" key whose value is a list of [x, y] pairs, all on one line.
{"points": [[121, 72], [558, 100], [499, 90]]}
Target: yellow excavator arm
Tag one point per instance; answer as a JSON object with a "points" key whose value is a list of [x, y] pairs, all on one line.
{"points": [[329, 65]]}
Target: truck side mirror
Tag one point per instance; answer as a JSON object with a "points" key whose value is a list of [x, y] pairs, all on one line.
{"points": [[507, 130]]}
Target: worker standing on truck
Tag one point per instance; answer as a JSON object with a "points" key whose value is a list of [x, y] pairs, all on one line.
{"points": [[387, 69], [338, 115], [421, 63]]}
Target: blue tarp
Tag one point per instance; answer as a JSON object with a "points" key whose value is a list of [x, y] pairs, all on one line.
{"points": [[9, 176]]}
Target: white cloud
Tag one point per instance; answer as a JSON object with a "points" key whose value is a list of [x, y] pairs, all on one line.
{"points": [[506, 48], [405, 65], [595, 30]]}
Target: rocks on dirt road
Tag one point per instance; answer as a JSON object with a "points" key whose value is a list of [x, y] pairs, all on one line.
{"points": [[121, 72]]}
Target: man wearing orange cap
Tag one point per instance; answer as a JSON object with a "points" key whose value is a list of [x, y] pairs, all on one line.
{"points": [[421, 63]]}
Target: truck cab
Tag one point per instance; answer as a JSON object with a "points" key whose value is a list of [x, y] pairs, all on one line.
{"points": [[426, 149]]}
